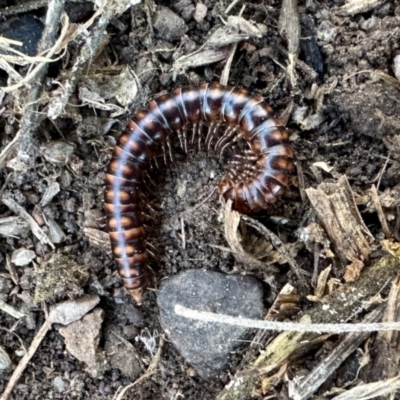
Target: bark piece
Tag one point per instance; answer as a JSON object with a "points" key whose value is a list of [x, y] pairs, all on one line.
{"points": [[337, 211]]}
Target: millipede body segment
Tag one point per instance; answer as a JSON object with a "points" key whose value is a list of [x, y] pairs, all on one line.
{"points": [[250, 185]]}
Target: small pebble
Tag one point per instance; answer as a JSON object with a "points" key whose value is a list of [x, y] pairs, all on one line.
{"points": [[59, 384]]}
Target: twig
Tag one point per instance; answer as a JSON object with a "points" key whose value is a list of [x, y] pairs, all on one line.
{"points": [[280, 247], [150, 371], [306, 387], [11, 310], [289, 26], [25, 359], [36, 230], [378, 207], [8, 150], [31, 5], [206, 316], [107, 10], [87, 52], [62, 313], [229, 8], [374, 390], [31, 116]]}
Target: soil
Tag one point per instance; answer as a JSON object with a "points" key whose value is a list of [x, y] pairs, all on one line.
{"points": [[356, 135]]}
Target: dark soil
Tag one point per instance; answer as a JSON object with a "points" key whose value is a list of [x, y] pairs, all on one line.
{"points": [[356, 136]]}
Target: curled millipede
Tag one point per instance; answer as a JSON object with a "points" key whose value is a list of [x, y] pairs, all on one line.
{"points": [[250, 186]]}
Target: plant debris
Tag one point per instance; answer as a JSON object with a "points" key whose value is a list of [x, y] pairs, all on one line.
{"points": [[327, 252]]}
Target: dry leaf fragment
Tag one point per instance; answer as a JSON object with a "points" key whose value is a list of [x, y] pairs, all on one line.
{"points": [[100, 89], [353, 271], [246, 27], [307, 121], [218, 45], [313, 233], [231, 224], [52, 190], [391, 247], [57, 152]]}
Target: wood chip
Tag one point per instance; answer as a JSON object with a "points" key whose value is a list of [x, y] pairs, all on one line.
{"points": [[337, 211]]}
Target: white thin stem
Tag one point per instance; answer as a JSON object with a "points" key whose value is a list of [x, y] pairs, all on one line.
{"points": [[206, 316]]}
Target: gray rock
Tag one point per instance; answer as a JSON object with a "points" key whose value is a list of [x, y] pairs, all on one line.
{"points": [[207, 345], [168, 25]]}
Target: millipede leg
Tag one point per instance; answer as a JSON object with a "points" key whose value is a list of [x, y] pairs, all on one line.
{"points": [[199, 141], [184, 137], [194, 132], [148, 179], [180, 136], [198, 133], [168, 142], [210, 133], [154, 160], [228, 134], [229, 142], [164, 151]]}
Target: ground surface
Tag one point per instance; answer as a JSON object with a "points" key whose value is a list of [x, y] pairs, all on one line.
{"points": [[356, 135]]}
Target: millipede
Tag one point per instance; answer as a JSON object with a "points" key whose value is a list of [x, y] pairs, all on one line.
{"points": [[254, 180]]}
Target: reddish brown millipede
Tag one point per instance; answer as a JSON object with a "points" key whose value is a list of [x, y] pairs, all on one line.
{"points": [[250, 186]]}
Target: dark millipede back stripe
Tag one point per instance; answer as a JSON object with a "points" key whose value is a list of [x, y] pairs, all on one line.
{"points": [[251, 188]]}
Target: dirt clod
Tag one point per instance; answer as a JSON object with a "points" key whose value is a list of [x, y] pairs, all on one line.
{"points": [[168, 25], [82, 340]]}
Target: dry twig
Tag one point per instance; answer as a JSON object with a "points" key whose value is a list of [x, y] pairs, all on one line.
{"points": [[63, 313], [36, 229], [307, 386], [11, 310], [335, 307], [378, 207], [289, 26], [279, 246], [31, 116], [88, 52]]}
